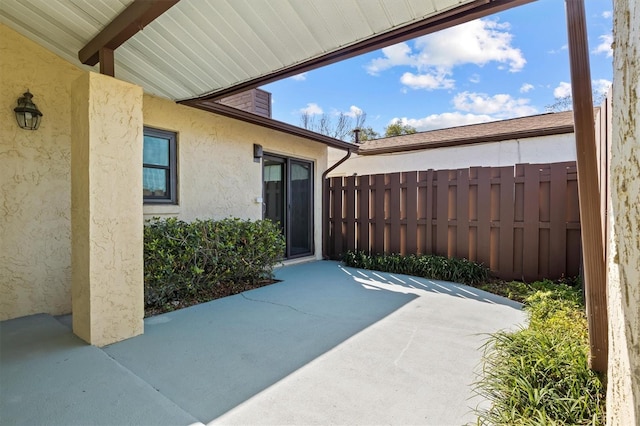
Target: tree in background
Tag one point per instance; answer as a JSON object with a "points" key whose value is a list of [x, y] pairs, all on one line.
{"points": [[398, 129], [367, 134], [565, 103], [339, 126]]}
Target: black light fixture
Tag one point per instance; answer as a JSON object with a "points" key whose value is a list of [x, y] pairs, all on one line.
{"points": [[27, 113], [257, 152]]}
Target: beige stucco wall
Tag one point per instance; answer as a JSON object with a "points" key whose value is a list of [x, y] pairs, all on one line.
{"points": [[217, 176], [623, 392], [541, 149], [106, 226], [35, 212]]}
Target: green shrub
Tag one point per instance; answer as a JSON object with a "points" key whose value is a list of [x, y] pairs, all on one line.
{"points": [[427, 266], [519, 291], [539, 375], [182, 258]]}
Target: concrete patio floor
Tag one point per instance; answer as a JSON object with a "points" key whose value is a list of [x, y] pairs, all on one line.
{"points": [[327, 345]]}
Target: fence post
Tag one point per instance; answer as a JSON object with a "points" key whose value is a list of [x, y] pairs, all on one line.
{"points": [[592, 245]]}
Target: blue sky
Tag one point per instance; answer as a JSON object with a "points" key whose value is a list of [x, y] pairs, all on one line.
{"points": [[507, 65]]}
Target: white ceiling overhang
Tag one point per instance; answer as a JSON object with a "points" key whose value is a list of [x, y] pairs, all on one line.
{"points": [[212, 48]]}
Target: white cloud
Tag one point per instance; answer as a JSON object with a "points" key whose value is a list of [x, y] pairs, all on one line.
{"points": [[499, 106], [472, 108], [312, 109], [299, 77], [434, 56], [600, 86], [607, 14], [444, 120], [477, 42], [604, 46], [563, 90], [396, 55], [563, 47], [353, 112], [526, 87], [474, 78], [427, 81]]}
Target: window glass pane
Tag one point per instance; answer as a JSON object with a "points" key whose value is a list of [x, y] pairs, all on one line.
{"points": [[272, 172], [301, 224], [300, 171], [154, 182], [155, 151]]}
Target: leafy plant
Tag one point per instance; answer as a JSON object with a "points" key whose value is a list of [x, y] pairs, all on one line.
{"points": [[181, 259], [539, 375], [427, 266], [519, 291]]}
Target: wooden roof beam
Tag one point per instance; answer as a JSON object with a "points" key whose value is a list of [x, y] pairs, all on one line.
{"points": [[124, 26]]}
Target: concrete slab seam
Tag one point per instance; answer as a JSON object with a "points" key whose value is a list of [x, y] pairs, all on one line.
{"points": [[119, 364]]}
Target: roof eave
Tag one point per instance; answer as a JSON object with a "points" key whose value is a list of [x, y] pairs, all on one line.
{"points": [[465, 13], [467, 141], [269, 123]]}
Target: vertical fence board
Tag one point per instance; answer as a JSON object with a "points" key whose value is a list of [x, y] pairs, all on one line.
{"points": [[327, 227], [462, 217], [350, 209], [364, 215], [429, 213], [530, 249], [558, 222], [380, 218], [411, 199], [442, 212], [394, 213], [484, 215], [338, 247], [506, 247]]}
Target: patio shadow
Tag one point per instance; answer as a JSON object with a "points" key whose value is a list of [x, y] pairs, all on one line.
{"points": [[211, 357]]}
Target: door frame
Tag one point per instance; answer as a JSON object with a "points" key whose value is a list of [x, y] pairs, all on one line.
{"points": [[287, 226]]}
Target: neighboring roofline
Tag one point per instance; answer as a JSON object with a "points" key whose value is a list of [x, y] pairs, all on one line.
{"points": [[465, 13], [496, 137], [269, 123]]}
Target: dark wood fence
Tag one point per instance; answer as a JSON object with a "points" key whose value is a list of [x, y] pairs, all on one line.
{"points": [[523, 221]]}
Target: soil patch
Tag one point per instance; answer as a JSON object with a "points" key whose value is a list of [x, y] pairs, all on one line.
{"points": [[206, 295]]}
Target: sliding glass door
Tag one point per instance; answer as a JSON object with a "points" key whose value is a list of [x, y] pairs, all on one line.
{"points": [[288, 200]]}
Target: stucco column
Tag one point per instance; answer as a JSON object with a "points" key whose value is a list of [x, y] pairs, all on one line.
{"points": [[106, 209]]}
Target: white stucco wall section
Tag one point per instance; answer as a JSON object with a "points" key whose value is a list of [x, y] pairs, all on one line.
{"points": [[623, 275], [542, 149]]}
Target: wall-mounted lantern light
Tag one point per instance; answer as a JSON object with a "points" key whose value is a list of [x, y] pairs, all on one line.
{"points": [[27, 114], [257, 152]]}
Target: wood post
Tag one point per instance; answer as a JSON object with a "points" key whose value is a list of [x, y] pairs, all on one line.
{"points": [[588, 188]]}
